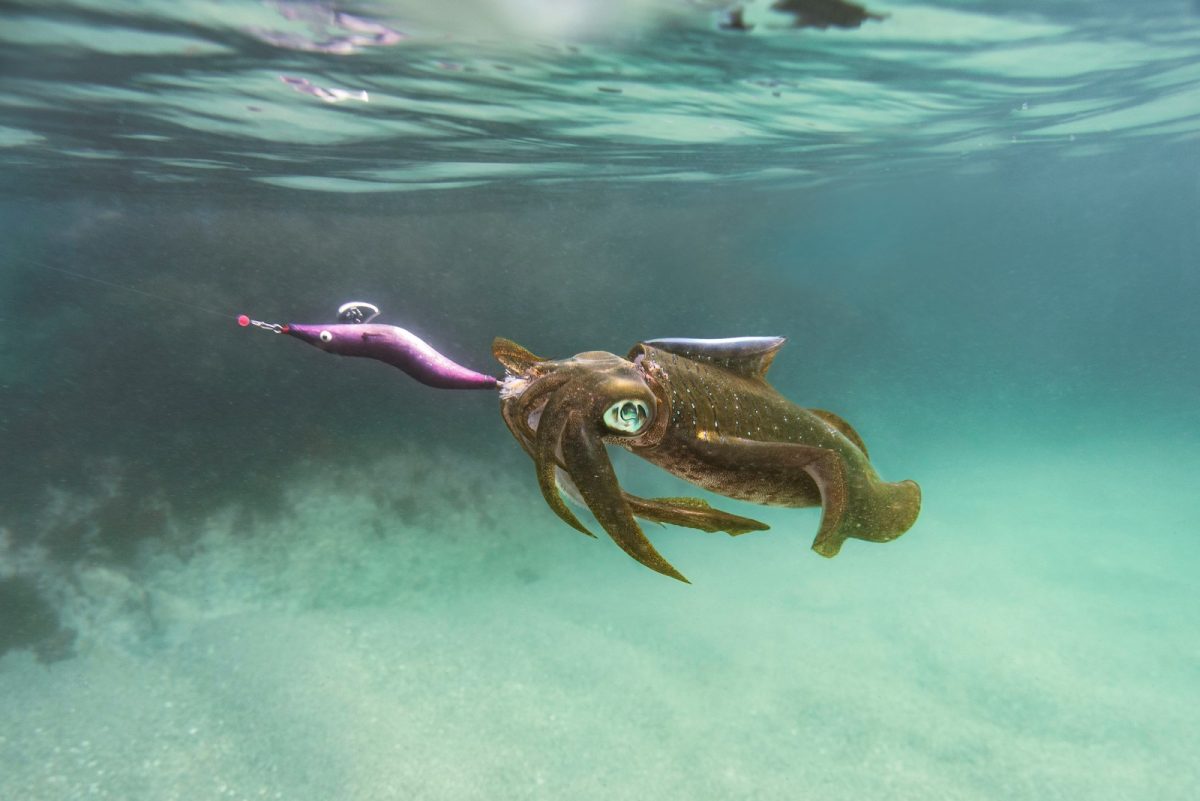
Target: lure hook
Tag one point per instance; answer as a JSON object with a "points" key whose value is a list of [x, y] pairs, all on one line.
{"points": [[275, 328]]}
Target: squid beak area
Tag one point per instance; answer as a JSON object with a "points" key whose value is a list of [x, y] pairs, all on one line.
{"points": [[532, 397], [587, 462]]}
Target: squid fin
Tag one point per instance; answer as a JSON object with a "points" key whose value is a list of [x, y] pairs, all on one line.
{"points": [[854, 502], [860, 507], [747, 356], [845, 428]]}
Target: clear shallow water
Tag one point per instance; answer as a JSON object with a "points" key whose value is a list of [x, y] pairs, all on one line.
{"points": [[231, 566]]}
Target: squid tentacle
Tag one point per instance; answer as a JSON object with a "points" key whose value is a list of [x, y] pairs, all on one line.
{"points": [[530, 398], [550, 429], [516, 413], [588, 465]]}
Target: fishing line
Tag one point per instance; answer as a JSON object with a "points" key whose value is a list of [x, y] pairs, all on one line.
{"points": [[135, 290]]}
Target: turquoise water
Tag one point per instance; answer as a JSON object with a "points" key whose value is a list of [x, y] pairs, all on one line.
{"points": [[234, 567]]}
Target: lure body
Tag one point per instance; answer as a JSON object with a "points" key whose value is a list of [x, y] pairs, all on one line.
{"points": [[395, 346]]}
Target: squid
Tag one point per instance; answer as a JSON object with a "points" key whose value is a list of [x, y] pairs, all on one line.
{"points": [[701, 409]]}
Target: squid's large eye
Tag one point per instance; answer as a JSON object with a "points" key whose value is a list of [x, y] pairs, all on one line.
{"points": [[627, 416], [326, 336]]}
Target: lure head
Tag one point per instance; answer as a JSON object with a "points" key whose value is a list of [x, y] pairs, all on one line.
{"points": [[349, 336], [334, 338], [345, 339]]}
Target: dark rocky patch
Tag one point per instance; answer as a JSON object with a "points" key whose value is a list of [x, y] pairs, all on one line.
{"points": [[824, 14], [27, 620]]}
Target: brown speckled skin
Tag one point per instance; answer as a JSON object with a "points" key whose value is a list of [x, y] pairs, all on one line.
{"points": [[716, 422]]}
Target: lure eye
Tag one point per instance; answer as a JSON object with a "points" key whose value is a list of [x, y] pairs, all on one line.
{"points": [[627, 416], [326, 336]]}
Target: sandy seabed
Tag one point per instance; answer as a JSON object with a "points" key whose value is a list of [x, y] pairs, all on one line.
{"points": [[1034, 637]]}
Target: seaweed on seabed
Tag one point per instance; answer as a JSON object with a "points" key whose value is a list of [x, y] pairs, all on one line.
{"points": [[29, 621]]}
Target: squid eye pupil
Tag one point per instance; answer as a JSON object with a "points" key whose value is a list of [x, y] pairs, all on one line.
{"points": [[326, 336], [627, 417]]}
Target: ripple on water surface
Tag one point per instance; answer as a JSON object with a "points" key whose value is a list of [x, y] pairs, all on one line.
{"points": [[306, 95]]}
